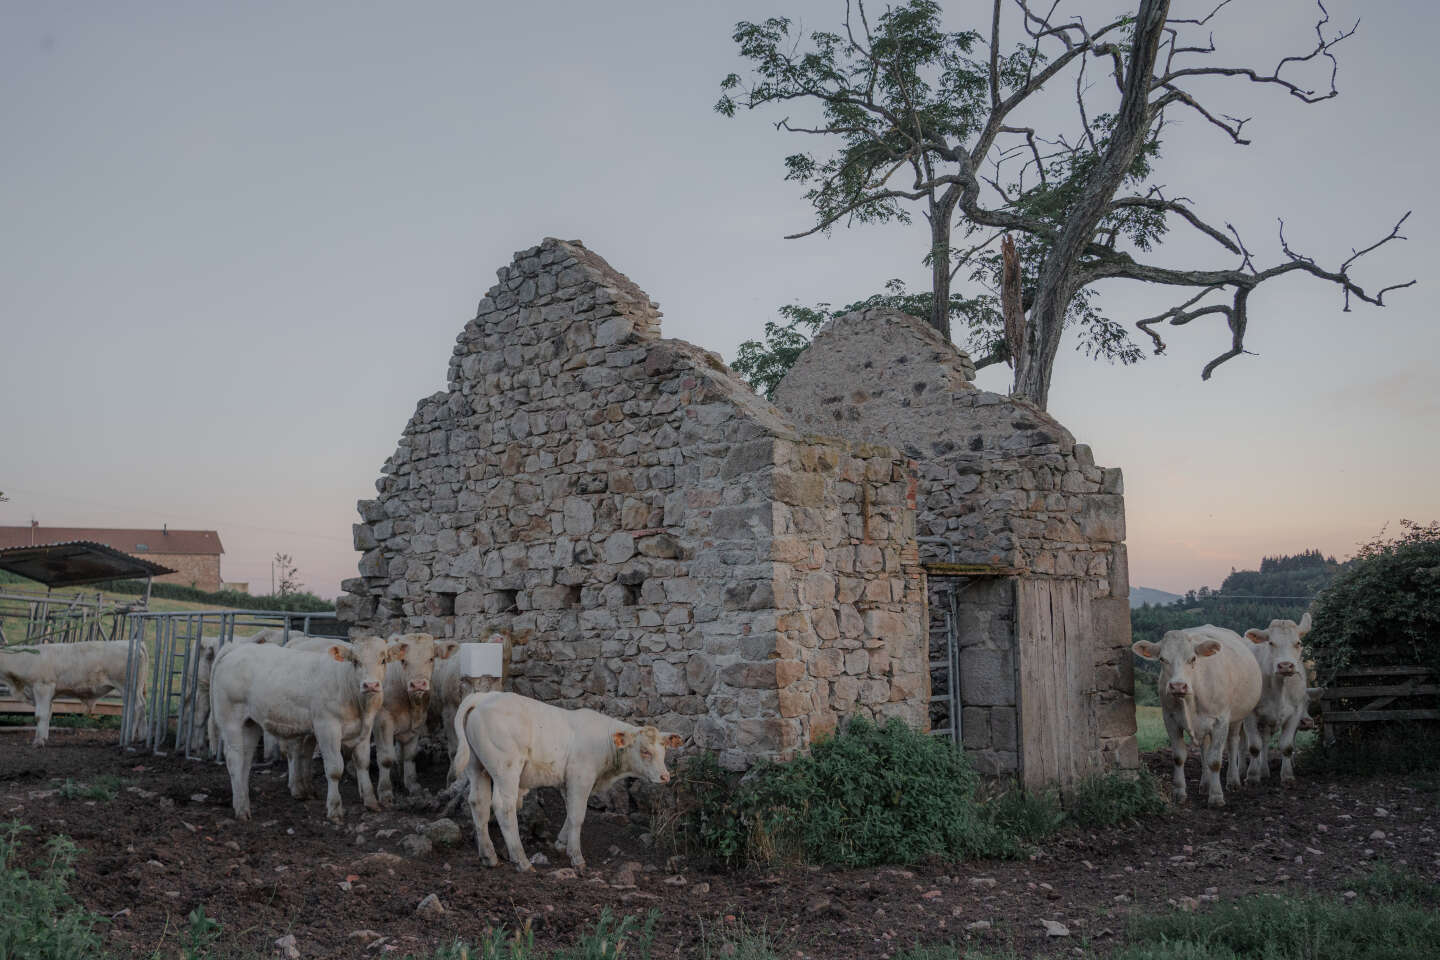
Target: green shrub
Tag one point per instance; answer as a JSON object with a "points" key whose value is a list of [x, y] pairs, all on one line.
{"points": [[869, 795], [41, 920], [1103, 800], [1389, 595], [200, 936], [1275, 928], [1028, 815]]}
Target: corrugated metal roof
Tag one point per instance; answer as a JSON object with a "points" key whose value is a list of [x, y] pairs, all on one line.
{"points": [[76, 562], [206, 542]]}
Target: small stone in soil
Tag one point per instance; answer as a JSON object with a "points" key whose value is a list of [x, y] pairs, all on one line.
{"points": [[430, 907]]}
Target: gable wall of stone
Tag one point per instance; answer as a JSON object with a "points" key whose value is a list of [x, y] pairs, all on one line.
{"points": [[637, 521]]}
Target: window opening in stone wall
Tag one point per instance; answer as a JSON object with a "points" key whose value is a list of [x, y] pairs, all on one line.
{"points": [[507, 601], [572, 595], [444, 604]]}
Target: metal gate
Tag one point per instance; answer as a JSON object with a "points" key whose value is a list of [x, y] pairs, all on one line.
{"points": [[171, 642], [945, 707]]}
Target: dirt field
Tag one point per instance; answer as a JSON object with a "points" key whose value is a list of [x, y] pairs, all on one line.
{"points": [[167, 843]]}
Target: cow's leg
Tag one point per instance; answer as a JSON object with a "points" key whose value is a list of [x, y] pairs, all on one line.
{"points": [[1253, 772], [272, 749], [385, 754], [480, 811], [408, 751], [327, 736], [362, 769], [240, 740], [1214, 751], [1236, 755], [1287, 745], [448, 713], [506, 796], [43, 695], [1177, 745], [577, 795]]}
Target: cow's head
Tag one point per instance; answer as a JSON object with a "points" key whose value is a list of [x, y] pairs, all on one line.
{"points": [[417, 665], [1179, 653], [642, 752], [368, 656], [1280, 646]]}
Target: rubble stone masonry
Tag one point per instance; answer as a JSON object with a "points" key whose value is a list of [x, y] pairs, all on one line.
{"points": [[658, 542]]}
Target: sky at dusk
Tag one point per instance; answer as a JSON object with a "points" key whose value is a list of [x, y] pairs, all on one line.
{"points": [[240, 240]]}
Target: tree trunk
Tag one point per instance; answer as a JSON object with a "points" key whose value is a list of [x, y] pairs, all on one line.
{"points": [[941, 213], [1056, 285]]}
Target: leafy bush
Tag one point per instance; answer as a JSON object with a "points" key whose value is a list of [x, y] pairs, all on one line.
{"points": [[1103, 800], [41, 920], [869, 795], [1029, 815], [1388, 595]]}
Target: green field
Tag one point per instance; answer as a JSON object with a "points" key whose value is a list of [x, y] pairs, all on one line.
{"points": [[1151, 735]]}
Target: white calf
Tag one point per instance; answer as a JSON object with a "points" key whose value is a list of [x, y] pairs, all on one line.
{"points": [[403, 711], [1284, 700], [305, 700], [520, 744], [87, 671], [1209, 683]]}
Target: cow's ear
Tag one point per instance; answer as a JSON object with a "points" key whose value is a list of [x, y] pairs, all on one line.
{"points": [[339, 653], [622, 739], [673, 740], [1146, 649], [1304, 624], [1257, 636], [394, 652], [1208, 647], [445, 648]]}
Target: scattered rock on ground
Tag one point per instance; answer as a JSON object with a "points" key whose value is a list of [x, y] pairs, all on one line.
{"points": [[287, 947], [1054, 928], [443, 832], [431, 907], [416, 845]]}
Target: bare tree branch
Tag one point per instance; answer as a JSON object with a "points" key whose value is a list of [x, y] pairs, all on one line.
{"points": [[1175, 206]]}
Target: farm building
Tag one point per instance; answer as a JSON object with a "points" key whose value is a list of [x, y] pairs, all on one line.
{"points": [[194, 555], [661, 544], [1023, 540]]}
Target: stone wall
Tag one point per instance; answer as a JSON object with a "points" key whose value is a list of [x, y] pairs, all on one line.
{"points": [[1001, 482], [658, 542]]}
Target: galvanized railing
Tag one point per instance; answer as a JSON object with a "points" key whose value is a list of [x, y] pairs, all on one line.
{"points": [[171, 643]]}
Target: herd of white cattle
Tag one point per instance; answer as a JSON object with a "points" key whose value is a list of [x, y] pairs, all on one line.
{"points": [[316, 695], [329, 697], [1219, 687]]}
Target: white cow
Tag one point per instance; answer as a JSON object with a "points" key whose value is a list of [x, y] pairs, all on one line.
{"points": [[88, 671], [1284, 700], [403, 712], [1209, 684], [203, 728], [447, 689], [519, 744], [304, 700]]}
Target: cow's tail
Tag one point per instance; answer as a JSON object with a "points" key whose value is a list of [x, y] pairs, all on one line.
{"points": [[460, 765]]}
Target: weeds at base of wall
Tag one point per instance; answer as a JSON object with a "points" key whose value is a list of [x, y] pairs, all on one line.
{"points": [[874, 795]]}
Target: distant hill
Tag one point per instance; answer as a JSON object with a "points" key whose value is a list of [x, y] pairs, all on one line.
{"points": [[1139, 596]]}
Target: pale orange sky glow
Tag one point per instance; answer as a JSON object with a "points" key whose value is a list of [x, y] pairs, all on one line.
{"points": [[243, 239]]}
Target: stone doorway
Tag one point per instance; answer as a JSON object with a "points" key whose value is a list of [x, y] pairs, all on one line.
{"points": [[973, 668]]}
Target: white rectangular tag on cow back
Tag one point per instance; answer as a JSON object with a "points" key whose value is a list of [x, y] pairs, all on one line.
{"points": [[482, 660]]}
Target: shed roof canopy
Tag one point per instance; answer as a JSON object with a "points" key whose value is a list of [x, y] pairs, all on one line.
{"points": [[76, 562]]}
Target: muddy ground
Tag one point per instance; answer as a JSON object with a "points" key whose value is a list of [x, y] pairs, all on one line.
{"points": [[167, 843]]}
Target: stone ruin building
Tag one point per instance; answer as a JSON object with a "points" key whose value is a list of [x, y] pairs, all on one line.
{"points": [[659, 543]]}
